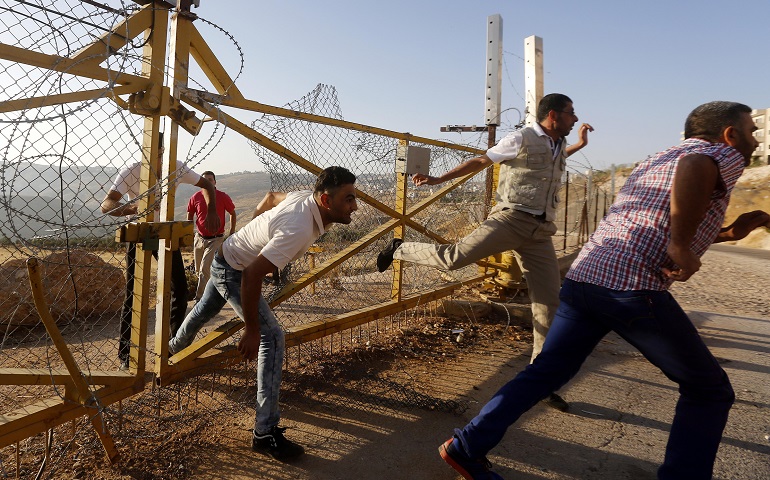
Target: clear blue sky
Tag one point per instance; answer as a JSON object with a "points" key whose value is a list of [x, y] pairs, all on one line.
{"points": [[633, 69]]}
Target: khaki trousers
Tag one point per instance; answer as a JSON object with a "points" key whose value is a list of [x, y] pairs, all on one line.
{"points": [[203, 254], [503, 230]]}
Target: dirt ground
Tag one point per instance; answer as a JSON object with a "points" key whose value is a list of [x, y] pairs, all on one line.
{"points": [[380, 412]]}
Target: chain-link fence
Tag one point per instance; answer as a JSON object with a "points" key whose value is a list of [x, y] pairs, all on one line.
{"points": [[356, 283], [57, 163], [60, 154]]}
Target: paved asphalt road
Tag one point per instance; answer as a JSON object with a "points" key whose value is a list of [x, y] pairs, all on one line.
{"points": [[621, 405], [757, 253]]}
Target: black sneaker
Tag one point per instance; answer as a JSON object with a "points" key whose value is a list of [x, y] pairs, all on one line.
{"points": [[385, 258], [273, 443], [555, 401], [469, 468]]}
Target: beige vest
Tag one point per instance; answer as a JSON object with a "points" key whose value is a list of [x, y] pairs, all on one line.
{"points": [[532, 179]]}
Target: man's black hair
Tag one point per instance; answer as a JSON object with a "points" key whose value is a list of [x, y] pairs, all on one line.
{"points": [[709, 120], [208, 172], [331, 178], [552, 101]]}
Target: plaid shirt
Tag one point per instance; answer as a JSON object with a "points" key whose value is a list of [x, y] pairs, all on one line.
{"points": [[628, 249]]}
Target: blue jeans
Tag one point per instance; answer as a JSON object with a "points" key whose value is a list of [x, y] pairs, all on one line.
{"points": [[652, 322], [224, 286]]}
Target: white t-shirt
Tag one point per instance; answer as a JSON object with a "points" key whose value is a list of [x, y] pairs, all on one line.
{"points": [[281, 234], [127, 181]]}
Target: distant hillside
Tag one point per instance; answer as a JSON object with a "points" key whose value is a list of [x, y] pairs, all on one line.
{"points": [[36, 191], [55, 181], [28, 217], [86, 187], [750, 193]]}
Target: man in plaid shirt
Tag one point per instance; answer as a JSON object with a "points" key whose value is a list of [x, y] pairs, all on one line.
{"points": [[665, 217]]}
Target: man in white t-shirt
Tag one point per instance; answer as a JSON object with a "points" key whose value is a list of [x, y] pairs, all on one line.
{"points": [[284, 227], [127, 183]]}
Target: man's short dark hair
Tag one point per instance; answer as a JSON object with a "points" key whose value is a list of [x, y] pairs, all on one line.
{"points": [[552, 101], [208, 172], [709, 120], [332, 178]]}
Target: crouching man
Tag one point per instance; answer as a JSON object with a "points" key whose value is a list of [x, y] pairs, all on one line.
{"points": [[283, 232]]}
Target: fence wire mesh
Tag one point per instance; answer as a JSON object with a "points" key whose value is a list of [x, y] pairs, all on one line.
{"points": [[59, 161]]}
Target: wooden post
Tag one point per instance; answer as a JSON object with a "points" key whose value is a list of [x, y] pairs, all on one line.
{"points": [[153, 69], [566, 210], [180, 33], [311, 257], [402, 181], [596, 210], [493, 173], [84, 395]]}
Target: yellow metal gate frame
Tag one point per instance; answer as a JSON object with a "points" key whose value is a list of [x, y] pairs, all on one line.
{"points": [[147, 95]]}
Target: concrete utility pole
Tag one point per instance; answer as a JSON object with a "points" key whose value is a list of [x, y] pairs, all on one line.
{"points": [[492, 94], [533, 77], [494, 80], [492, 102]]}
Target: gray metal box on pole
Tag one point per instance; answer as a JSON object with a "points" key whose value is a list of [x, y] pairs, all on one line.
{"points": [[494, 69], [411, 160]]}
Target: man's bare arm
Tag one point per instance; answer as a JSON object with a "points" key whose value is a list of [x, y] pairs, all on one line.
{"points": [[111, 205], [582, 139], [251, 291], [472, 165], [743, 225], [270, 200], [232, 222], [695, 179]]}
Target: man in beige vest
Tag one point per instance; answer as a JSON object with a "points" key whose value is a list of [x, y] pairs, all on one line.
{"points": [[532, 161]]}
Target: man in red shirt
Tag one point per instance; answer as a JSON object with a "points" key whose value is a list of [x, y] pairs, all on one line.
{"points": [[206, 242]]}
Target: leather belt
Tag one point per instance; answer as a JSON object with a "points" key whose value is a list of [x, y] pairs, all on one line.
{"points": [[540, 216], [211, 237]]}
